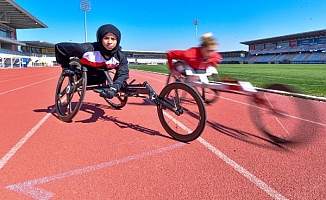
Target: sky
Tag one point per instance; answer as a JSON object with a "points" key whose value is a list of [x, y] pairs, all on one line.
{"points": [[154, 25]]}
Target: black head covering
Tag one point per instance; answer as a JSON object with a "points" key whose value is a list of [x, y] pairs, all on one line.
{"points": [[101, 32]]}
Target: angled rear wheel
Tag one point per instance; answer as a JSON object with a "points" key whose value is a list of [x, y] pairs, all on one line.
{"points": [[189, 120], [276, 115], [70, 92], [120, 99]]}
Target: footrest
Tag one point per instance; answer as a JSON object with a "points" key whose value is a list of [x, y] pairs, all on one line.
{"points": [[247, 86]]}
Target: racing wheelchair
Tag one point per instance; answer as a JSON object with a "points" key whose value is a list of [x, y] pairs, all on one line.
{"points": [[270, 107], [180, 108]]}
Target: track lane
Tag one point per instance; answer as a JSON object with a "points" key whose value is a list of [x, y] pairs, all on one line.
{"points": [[238, 125], [94, 138], [22, 106]]}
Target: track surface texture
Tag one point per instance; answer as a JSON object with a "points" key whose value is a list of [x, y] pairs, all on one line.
{"points": [[126, 154]]}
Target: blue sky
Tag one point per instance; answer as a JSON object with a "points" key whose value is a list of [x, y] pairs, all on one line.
{"points": [[154, 25]]}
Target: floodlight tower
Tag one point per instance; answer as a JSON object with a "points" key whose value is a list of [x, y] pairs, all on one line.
{"points": [[85, 5], [196, 22]]}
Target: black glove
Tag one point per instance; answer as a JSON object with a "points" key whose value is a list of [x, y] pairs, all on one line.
{"points": [[109, 93]]}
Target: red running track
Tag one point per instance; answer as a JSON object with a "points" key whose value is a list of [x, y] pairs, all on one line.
{"points": [[126, 154]]}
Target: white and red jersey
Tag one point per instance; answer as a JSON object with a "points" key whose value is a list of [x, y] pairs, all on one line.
{"points": [[90, 55], [95, 59]]}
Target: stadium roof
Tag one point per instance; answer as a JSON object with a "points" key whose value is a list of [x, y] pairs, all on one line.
{"points": [[39, 44], [297, 36], [10, 41], [15, 16]]}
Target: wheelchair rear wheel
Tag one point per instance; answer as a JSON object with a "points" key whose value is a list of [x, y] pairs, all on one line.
{"points": [[273, 114], [189, 124], [120, 99], [70, 92]]}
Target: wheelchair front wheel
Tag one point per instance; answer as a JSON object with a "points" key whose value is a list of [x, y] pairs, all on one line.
{"points": [[189, 124], [70, 93]]}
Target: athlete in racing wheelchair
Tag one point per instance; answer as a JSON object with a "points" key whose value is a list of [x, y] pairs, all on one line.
{"points": [[105, 52], [196, 63]]}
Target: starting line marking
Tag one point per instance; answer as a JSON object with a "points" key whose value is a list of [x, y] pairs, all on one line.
{"points": [[29, 188]]}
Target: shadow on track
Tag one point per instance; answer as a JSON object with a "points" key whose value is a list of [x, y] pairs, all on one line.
{"points": [[246, 137], [97, 112], [122, 124]]}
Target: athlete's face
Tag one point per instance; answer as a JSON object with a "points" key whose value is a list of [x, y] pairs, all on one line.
{"points": [[109, 41], [207, 51]]}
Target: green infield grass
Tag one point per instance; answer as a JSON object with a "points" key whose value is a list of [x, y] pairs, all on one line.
{"points": [[309, 79]]}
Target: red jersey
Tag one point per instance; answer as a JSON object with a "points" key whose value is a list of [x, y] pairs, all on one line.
{"points": [[193, 58]]}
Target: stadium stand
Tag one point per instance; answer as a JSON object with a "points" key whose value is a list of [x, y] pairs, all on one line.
{"points": [[13, 17], [307, 47], [145, 57]]}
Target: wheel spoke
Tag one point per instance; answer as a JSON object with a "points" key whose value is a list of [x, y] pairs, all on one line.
{"points": [[188, 123]]}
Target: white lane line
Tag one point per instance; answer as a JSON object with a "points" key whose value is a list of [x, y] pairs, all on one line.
{"points": [[22, 141], [252, 178], [29, 187], [24, 77], [259, 183], [25, 86], [148, 77], [8, 75]]}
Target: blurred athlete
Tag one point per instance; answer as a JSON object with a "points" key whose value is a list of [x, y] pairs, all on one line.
{"points": [[202, 58]]}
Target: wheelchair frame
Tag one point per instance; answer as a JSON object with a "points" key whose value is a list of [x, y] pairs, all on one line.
{"points": [[173, 98]]}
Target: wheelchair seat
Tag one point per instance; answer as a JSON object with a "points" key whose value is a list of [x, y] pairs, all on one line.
{"points": [[95, 76]]}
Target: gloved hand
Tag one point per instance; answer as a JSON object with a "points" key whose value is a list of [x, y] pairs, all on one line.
{"points": [[109, 93]]}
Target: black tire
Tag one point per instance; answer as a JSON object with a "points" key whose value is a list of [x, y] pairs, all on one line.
{"points": [[190, 124], [120, 100], [271, 113], [70, 92], [208, 95]]}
